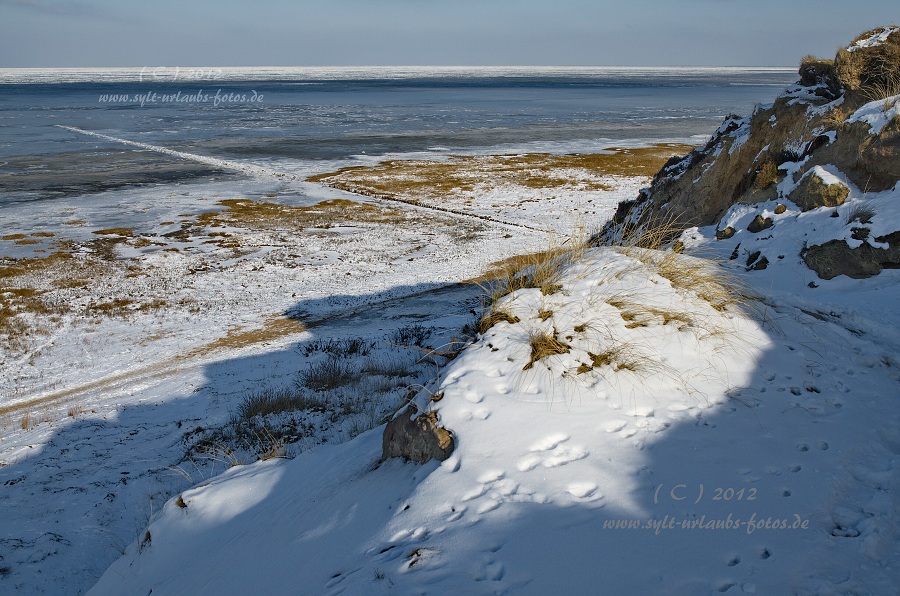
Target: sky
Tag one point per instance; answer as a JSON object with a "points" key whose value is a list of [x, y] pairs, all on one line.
{"points": [[96, 33]]}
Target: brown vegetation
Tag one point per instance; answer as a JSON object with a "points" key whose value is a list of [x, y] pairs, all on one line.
{"points": [[433, 179]]}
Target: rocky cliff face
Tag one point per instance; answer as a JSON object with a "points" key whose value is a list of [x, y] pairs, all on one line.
{"points": [[832, 139]]}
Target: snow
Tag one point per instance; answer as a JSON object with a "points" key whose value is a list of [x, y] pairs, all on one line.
{"points": [[117, 401], [877, 114], [828, 178], [739, 449], [678, 447], [877, 39]]}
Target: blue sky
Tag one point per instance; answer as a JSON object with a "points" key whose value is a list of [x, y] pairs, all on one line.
{"points": [[70, 33]]}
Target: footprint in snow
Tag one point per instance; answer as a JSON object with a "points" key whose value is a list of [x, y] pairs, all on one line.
{"points": [[474, 493], [491, 476], [549, 442], [614, 426], [492, 571], [558, 456], [473, 397], [488, 505], [583, 490]]}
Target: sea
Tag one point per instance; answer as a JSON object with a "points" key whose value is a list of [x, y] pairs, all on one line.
{"points": [[309, 120]]}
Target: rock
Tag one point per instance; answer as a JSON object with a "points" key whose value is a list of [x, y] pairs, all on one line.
{"points": [[416, 438], [759, 265], [805, 133], [816, 71], [819, 188], [725, 234], [837, 258], [759, 224]]}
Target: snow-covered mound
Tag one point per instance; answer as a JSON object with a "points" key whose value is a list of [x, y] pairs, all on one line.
{"points": [[635, 424]]}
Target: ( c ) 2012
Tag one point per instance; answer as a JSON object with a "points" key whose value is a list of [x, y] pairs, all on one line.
{"points": [[729, 494]]}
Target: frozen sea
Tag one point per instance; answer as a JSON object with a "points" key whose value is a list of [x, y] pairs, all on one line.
{"points": [[308, 120]]}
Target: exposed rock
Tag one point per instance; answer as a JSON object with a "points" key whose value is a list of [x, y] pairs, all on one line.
{"points": [[815, 71], [755, 263], [807, 134], [759, 224], [725, 234], [837, 258], [818, 189], [417, 438]]}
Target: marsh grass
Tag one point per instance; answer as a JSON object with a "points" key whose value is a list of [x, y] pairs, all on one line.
{"points": [[278, 400], [329, 374], [36, 293], [264, 216], [346, 348], [410, 335], [128, 232], [435, 179]]}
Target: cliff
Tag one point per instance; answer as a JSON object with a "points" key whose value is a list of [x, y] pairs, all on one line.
{"points": [[831, 140]]}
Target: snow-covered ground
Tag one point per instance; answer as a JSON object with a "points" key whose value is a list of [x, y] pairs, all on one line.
{"points": [[681, 441], [97, 412]]}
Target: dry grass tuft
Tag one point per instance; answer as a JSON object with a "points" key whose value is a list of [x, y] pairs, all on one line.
{"points": [[494, 316], [707, 279], [77, 411], [883, 83], [541, 270], [861, 212], [636, 315], [543, 345], [621, 356], [653, 233]]}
